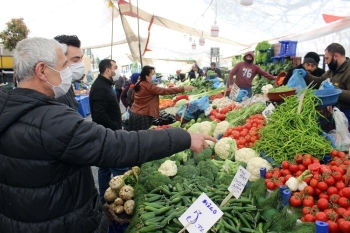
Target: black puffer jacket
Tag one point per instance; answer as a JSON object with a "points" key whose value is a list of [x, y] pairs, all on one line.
{"points": [[46, 150]]}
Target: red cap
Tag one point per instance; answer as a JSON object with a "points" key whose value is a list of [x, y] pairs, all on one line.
{"points": [[178, 71]]}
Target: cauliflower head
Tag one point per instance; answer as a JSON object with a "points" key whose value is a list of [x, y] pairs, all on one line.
{"points": [[254, 165], [245, 154], [225, 148], [207, 127], [221, 128], [168, 168]]}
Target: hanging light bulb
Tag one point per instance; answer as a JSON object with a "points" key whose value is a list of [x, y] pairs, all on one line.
{"points": [[214, 32], [247, 2], [202, 40], [194, 44]]}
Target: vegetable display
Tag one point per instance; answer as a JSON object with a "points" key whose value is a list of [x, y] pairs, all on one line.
{"points": [[288, 133]]}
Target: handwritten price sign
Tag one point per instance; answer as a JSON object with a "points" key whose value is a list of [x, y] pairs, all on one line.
{"points": [[239, 182], [201, 215]]}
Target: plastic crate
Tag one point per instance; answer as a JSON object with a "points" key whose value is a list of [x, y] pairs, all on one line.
{"points": [[288, 48], [269, 55], [278, 59]]}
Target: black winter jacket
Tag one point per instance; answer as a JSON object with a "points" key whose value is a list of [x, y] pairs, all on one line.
{"points": [[318, 73], [104, 107], [46, 150]]}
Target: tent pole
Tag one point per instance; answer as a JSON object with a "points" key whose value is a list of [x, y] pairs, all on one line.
{"points": [[112, 34], [138, 32]]}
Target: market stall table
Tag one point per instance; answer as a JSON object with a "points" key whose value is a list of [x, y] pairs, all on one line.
{"points": [[84, 106]]}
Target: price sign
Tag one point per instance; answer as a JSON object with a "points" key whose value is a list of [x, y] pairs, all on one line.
{"points": [[234, 91], [239, 181], [201, 215], [268, 110]]}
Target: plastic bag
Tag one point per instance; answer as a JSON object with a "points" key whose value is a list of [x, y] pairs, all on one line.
{"points": [[342, 139], [195, 108], [326, 84], [297, 80], [126, 115]]}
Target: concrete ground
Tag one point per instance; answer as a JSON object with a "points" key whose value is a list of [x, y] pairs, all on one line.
{"points": [[93, 168]]}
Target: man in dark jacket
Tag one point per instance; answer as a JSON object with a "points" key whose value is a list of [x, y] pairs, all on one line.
{"points": [[105, 111], [195, 72], [310, 63], [74, 56], [47, 148], [216, 70]]}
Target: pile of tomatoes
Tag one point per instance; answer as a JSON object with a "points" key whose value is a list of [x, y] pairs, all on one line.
{"points": [[247, 134], [219, 114], [326, 197]]}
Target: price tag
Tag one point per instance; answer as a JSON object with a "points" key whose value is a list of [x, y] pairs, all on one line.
{"points": [[239, 181], [268, 110], [201, 215], [234, 91]]}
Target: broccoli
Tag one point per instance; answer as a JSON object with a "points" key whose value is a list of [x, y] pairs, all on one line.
{"points": [[182, 156], [187, 171], [223, 178], [203, 181], [178, 179], [190, 162], [207, 169], [204, 155], [154, 180]]}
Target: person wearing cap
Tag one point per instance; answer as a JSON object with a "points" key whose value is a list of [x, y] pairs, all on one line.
{"points": [[339, 74], [310, 63], [126, 96], [245, 72], [179, 76]]}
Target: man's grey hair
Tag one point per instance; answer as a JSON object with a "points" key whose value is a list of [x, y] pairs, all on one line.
{"points": [[31, 51]]}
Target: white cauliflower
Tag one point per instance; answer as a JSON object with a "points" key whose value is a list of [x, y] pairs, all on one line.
{"points": [[221, 128], [207, 127], [254, 165], [225, 148], [222, 102], [211, 144], [245, 154], [168, 168]]}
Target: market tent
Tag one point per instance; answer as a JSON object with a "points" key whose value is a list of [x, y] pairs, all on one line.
{"points": [[165, 26]]}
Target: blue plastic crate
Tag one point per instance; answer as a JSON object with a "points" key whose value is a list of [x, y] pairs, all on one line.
{"points": [[278, 59], [288, 48]]}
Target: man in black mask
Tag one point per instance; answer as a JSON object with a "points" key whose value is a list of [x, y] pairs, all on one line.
{"points": [[338, 73]]}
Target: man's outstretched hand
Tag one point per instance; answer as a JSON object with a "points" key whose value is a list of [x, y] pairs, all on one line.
{"points": [[198, 142]]}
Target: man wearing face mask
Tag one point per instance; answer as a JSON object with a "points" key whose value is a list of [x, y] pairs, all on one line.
{"points": [[47, 148], [338, 73], [245, 72], [74, 56], [105, 111]]}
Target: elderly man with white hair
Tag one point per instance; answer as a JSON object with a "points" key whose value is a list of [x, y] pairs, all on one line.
{"points": [[47, 148]]}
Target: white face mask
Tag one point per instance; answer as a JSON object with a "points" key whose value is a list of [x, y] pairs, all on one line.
{"points": [[116, 76], [154, 77], [63, 87], [77, 70]]}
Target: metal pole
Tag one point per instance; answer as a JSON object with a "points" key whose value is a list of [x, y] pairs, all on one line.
{"points": [[112, 33], [138, 32]]}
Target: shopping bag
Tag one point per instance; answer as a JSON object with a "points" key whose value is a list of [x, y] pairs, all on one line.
{"points": [[297, 80], [126, 115], [326, 84], [342, 139]]}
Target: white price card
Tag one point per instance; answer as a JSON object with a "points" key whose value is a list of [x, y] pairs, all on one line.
{"points": [[234, 91], [268, 110], [239, 181], [201, 215]]}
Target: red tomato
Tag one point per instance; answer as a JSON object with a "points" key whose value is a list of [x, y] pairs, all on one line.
{"points": [[321, 216], [285, 172], [334, 198], [322, 203], [301, 167], [343, 202], [334, 153], [329, 180], [332, 190], [340, 185], [318, 191], [344, 226], [308, 202], [309, 190], [288, 176], [298, 158], [340, 210], [346, 192], [212, 117], [337, 175], [309, 218], [285, 164], [332, 227], [341, 154], [331, 214], [308, 156], [322, 185], [268, 175], [306, 210], [313, 183], [323, 195], [306, 161], [270, 185], [293, 167], [295, 200]]}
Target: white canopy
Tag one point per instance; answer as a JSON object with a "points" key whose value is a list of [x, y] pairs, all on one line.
{"points": [[166, 25]]}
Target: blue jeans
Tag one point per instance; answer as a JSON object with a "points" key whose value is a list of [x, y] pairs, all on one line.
{"points": [[104, 176]]}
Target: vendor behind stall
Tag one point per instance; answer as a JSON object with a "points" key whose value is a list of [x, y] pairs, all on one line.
{"points": [[338, 73], [245, 72]]}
